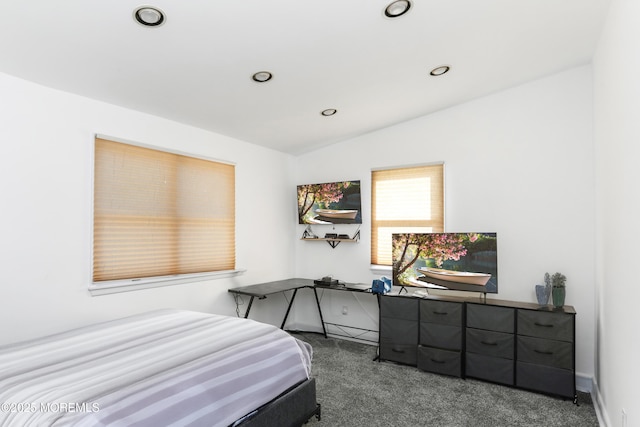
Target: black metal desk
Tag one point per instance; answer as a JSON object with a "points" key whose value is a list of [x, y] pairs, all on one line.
{"points": [[262, 290]]}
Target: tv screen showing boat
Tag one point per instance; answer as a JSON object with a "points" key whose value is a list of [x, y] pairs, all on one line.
{"points": [[446, 261], [330, 203]]}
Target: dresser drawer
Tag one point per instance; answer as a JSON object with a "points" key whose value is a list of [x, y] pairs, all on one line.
{"points": [[556, 326], [545, 352], [441, 336], [545, 379], [401, 353], [398, 331], [439, 361], [489, 317], [399, 308], [489, 368], [498, 344], [442, 312]]}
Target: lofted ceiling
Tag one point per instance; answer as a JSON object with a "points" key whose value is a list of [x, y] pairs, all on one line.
{"points": [[196, 68]]}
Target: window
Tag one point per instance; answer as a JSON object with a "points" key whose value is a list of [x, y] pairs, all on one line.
{"points": [[404, 200], [160, 214]]}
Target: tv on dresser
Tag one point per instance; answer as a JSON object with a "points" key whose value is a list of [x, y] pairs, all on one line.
{"points": [[446, 261]]}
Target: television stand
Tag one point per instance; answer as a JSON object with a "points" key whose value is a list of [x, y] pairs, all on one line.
{"points": [[513, 343], [483, 297]]}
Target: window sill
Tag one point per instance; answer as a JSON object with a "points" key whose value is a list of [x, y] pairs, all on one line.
{"points": [[384, 270], [118, 286]]}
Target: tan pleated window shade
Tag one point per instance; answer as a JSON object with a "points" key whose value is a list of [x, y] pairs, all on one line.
{"points": [[159, 214], [405, 200]]}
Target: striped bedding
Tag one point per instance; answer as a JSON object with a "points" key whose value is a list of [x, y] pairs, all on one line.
{"points": [[164, 368]]}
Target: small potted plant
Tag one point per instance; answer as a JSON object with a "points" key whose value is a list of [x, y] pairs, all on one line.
{"points": [[558, 289], [543, 292]]}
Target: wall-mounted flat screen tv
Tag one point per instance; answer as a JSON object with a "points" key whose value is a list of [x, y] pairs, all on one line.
{"points": [[446, 261], [330, 203]]}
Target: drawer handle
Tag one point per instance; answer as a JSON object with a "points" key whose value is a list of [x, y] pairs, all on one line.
{"points": [[437, 361], [489, 342], [441, 313], [395, 350], [544, 325], [548, 353]]}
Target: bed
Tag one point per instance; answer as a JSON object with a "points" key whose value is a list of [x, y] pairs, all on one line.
{"points": [[163, 368]]}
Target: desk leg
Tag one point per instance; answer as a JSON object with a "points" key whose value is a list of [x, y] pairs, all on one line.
{"points": [[246, 313], [315, 292], [293, 297], [378, 352]]}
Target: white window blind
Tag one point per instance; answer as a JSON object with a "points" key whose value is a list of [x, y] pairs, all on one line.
{"points": [[404, 200], [160, 214]]}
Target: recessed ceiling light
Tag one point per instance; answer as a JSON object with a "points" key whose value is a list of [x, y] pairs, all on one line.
{"points": [[397, 8], [329, 112], [438, 71], [262, 76], [149, 16]]}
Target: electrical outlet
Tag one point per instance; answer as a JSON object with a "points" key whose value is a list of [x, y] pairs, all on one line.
{"points": [[345, 310], [624, 418]]}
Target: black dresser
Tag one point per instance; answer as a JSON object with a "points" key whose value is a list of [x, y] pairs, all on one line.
{"points": [[441, 337], [506, 342]]}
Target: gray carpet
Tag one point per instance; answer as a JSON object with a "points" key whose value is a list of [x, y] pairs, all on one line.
{"points": [[355, 391]]}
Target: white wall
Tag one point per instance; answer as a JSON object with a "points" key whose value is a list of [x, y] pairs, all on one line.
{"points": [[45, 220], [519, 162], [617, 136]]}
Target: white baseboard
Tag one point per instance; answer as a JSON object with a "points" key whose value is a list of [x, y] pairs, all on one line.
{"points": [[584, 383], [601, 412]]}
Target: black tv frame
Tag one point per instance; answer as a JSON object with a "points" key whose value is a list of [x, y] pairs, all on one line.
{"points": [[329, 203], [460, 270]]}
